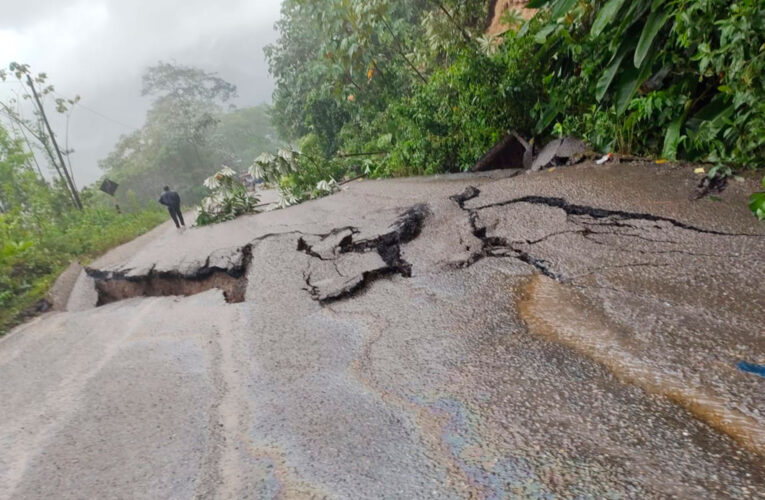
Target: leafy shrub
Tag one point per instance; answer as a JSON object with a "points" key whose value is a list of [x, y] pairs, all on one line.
{"points": [[228, 200], [300, 175], [32, 255], [464, 109], [678, 78]]}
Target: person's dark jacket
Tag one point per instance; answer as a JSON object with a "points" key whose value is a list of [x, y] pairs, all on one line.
{"points": [[170, 199]]}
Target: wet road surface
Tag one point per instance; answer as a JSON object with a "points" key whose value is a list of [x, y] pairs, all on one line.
{"points": [[566, 334]]}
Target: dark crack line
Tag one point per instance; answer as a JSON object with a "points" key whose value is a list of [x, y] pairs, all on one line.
{"points": [[546, 237], [337, 269], [366, 278], [321, 236], [500, 247], [388, 246], [610, 223], [304, 247], [601, 213], [494, 246], [354, 231], [542, 265], [627, 235], [307, 278]]}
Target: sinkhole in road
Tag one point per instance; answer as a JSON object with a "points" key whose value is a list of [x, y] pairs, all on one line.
{"points": [[230, 280]]}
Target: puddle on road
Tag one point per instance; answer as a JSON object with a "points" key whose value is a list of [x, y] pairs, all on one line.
{"points": [[555, 312]]}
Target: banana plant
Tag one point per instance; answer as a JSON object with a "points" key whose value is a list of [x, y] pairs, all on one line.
{"points": [[228, 200]]}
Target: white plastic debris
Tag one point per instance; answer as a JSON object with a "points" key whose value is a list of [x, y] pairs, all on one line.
{"points": [[605, 159]]}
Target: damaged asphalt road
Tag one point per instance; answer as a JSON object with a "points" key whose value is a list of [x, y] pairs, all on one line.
{"points": [[551, 335], [379, 256]]}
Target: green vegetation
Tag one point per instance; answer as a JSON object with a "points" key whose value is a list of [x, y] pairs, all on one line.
{"points": [[757, 202], [187, 136], [401, 88], [299, 175], [45, 225], [41, 232], [388, 88], [681, 78], [228, 199], [37, 132]]}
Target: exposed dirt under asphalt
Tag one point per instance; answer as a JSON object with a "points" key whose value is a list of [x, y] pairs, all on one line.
{"points": [[565, 334]]}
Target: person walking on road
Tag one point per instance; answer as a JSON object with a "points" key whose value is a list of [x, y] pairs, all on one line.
{"points": [[172, 201]]}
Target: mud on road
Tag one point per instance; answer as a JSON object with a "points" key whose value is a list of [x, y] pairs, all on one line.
{"points": [[560, 334]]}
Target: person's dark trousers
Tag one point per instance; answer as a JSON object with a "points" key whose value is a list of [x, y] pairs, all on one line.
{"points": [[175, 213]]}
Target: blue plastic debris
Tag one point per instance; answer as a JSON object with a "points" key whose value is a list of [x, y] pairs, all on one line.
{"points": [[751, 368]]}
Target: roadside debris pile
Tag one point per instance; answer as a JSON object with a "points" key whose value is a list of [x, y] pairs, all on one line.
{"points": [[514, 152]]}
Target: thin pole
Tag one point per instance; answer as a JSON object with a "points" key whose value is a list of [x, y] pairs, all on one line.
{"points": [[76, 196]]}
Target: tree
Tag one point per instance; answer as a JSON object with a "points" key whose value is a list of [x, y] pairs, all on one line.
{"points": [[40, 128], [243, 134], [186, 102], [340, 63], [18, 182], [187, 135]]}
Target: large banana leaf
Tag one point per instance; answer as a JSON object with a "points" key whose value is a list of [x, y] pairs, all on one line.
{"points": [[604, 83], [541, 36], [605, 80], [672, 139], [559, 7], [656, 20], [632, 15], [606, 14], [629, 81]]}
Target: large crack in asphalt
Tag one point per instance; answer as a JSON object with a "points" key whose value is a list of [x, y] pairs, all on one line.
{"points": [[225, 270], [494, 246], [550, 310], [586, 219], [366, 260], [601, 213], [342, 265]]}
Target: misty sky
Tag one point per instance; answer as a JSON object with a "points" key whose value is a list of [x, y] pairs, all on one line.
{"points": [[99, 49]]}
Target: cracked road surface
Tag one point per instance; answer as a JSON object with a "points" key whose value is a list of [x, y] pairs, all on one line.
{"points": [[566, 334]]}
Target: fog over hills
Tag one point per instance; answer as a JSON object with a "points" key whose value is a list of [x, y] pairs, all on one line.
{"points": [[98, 49]]}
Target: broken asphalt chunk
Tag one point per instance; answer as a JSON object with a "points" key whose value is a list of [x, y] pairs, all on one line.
{"points": [[562, 151], [342, 272]]}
